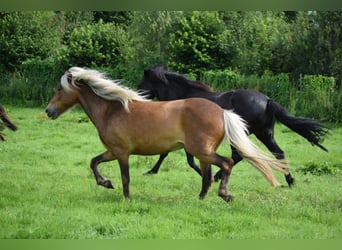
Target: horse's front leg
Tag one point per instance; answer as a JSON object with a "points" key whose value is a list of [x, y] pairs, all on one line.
{"points": [[106, 156], [124, 168]]}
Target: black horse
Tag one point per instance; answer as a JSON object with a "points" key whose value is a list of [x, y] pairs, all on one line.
{"points": [[258, 110], [6, 122]]}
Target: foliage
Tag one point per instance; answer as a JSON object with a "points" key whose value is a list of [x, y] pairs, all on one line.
{"points": [[200, 41], [222, 80], [99, 44], [320, 168], [149, 35], [256, 35], [313, 45], [27, 35], [319, 91], [118, 17], [316, 97]]}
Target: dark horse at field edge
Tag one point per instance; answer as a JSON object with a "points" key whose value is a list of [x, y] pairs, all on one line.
{"points": [[259, 111], [6, 122], [128, 124]]}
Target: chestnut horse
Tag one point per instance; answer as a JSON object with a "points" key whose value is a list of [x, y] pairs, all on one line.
{"points": [[6, 121], [128, 124]]}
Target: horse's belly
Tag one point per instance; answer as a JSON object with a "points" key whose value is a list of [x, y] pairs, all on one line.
{"points": [[155, 148]]}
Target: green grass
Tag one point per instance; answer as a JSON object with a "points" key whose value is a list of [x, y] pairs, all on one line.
{"points": [[48, 190]]}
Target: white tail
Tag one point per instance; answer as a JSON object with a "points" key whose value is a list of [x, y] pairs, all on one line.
{"points": [[236, 132]]}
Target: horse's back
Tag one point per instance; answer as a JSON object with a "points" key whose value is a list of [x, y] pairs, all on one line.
{"points": [[249, 104]]}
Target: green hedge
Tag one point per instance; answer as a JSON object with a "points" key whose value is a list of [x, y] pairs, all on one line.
{"points": [[33, 85], [36, 81], [314, 96]]}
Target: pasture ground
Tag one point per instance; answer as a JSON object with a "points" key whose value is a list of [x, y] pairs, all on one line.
{"points": [[48, 190]]}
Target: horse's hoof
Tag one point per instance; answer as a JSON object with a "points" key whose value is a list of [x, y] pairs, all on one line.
{"points": [[227, 198], [290, 180], [149, 173], [108, 184]]}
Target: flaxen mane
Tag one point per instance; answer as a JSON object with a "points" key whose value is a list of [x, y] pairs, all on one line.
{"points": [[101, 85]]}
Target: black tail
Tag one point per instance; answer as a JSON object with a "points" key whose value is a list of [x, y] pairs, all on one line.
{"points": [[310, 129]]}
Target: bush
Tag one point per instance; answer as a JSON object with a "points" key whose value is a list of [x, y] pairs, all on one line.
{"points": [[223, 80], [96, 45], [200, 41], [34, 84], [317, 97], [26, 35], [321, 168], [275, 86]]}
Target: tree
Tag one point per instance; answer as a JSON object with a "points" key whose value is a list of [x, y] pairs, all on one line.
{"points": [[200, 41], [27, 35], [149, 33], [95, 45]]}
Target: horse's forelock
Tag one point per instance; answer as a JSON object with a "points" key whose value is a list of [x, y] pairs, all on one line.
{"points": [[159, 72], [66, 80]]}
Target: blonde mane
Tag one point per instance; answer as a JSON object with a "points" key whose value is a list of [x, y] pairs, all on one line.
{"points": [[101, 85]]}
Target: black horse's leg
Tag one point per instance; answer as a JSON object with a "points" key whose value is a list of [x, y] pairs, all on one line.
{"points": [[106, 156], [236, 158], [267, 138], [206, 179], [156, 167], [191, 162]]}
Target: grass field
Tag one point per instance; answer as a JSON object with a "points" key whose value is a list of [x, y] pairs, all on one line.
{"points": [[47, 190]]}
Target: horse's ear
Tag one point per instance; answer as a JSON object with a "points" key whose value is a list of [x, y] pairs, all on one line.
{"points": [[146, 72]]}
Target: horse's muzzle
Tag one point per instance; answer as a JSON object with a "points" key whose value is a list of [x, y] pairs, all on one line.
{"points": [[52, 113]]}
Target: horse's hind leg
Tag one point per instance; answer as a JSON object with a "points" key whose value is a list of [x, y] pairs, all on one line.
{"points": [[236, 158], [267, 138], [106, 156], [226, 165], [206, 179]]}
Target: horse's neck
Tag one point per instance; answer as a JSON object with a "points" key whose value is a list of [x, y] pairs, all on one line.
{"points": [[190, 92], [96, 107], [182, 91]]}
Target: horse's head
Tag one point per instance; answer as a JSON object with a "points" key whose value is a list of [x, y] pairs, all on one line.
{"points": [[64, 98], [153, 80]]}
